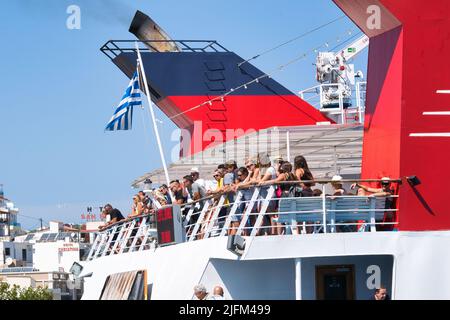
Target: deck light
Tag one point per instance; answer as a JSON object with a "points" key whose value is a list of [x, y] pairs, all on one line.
{"points": [[413, 181]]}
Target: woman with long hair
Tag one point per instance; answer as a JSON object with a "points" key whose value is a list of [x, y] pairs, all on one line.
{"points": [[302, 172], [137, 208]]}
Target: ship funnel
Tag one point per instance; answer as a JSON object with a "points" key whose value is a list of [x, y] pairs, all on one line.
{"points": [[145, 29]]}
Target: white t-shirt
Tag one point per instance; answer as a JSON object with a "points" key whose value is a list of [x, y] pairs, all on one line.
{"points": [[210, 185], [201, 182], [271, 171]]}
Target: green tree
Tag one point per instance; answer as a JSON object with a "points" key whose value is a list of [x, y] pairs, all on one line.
{"points": [[17, 293]]}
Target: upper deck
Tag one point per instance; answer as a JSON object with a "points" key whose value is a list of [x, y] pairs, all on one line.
{"points": [[249, 215]]}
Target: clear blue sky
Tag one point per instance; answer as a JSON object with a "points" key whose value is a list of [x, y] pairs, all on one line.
{"points": [[58, 90]]}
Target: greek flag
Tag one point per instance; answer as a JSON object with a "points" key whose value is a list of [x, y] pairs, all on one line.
{"points": [[123, 116]]}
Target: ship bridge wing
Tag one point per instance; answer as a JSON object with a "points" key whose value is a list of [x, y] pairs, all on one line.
{"points": [[329, 149]]}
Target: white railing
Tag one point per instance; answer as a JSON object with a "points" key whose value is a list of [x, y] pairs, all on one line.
{"points": [[256, 211], [336, 100], [133, 234]]}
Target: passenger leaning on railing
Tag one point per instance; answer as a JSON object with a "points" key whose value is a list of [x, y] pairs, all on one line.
{"points": [[195, 193], [244, 185], [229, 182], [385, 191], [218, 176], [338, 188], [165, 193], [226, 180], [194, 190], [302, 172], [137, 208], [267, 172], [113, 216], [284, 174], [177, 191]]}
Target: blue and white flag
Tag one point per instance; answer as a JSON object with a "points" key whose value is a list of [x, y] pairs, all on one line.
{"points": [[123, 116]]}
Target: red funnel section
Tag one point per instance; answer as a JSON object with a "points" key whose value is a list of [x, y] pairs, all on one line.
{"points": [[408, 54]]}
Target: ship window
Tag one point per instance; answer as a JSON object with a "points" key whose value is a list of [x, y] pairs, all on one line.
{"points": [[24, 254], [7, 251]]}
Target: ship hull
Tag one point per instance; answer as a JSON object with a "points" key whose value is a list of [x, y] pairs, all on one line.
{"points": [[290, 267]]}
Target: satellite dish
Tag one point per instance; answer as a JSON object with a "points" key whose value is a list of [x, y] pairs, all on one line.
{"points": [[9, 261]]}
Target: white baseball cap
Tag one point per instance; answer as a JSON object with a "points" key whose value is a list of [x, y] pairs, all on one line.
{"points": [[336, 178], [195, 169]]}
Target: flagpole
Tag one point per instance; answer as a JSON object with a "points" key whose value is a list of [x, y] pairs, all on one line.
{"points": [[150, 106]]}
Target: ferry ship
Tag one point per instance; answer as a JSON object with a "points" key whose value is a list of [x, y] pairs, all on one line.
{"points": [[333, 247]]}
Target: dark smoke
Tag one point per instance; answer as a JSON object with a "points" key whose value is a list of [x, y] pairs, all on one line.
{"points": [[110, 11], [103, 11]]}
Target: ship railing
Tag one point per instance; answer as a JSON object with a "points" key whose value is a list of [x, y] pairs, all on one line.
{"points": [[113, 48], [264, 213], [257, 211], [132, 234], [345, 107]]}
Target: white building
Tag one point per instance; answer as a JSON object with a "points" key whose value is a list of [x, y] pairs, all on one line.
{"points": [[20, 254], [8, 218]]}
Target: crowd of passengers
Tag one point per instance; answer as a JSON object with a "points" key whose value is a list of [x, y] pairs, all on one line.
{"points": [[259, 171]]}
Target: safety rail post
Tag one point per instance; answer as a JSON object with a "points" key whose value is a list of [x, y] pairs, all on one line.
{"points": [[146, 230], [332, 214], [94, 247], [127, 236], [189, 214], [108, 241], [372, 213], [123, 229], [321, 97], [199, 220], [341, 105], [212, 220], [324, 208], [102, 243], [233, 210], [248, 211], [293, 216], [288, 145], [358, 101], [263, 210], [138, 233]]}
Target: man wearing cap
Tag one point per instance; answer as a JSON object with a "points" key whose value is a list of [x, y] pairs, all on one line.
{"points": [[195, 174], [194, 190], [385, 189], [336, 183]]}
